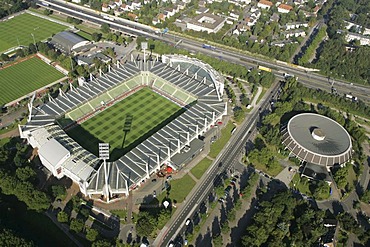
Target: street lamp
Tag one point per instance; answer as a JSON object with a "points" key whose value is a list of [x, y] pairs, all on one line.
{"points": [[34, 42]]}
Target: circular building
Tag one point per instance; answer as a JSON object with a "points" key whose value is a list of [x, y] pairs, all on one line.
{"points": [[317, 139]]}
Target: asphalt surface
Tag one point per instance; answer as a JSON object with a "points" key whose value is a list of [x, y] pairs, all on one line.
{"points": [[226, 159], [309, 79]]}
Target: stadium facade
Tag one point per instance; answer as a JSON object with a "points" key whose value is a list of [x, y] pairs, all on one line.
{"points": [[189, 83], [317, 140]]}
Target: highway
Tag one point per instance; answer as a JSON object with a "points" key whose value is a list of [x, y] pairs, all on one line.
{"points": [[228, 156], [306, 77]]}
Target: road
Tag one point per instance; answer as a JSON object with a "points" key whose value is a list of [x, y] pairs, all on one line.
{"points": [[224, 161], [309, 79]]}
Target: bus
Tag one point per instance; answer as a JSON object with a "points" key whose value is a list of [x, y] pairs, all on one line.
{"points": [[264, 68]]}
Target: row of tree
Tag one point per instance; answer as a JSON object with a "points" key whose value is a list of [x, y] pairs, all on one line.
{"points": [[311, 49]]}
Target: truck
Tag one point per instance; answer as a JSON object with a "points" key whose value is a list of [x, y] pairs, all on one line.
{"points": [[205, 46], [264, 68]]}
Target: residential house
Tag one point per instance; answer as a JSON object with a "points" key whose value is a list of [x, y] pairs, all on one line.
{"points": [[136, 4], [264, 4], [201, 10], [155, 21], [105, 7], [202, 4], [118, 2], [364, 40], [125, 7], [294, 25], [281, 43], [284, 8], [170, 12], [294, 33], [133, 16], [112, 5], [181, 5], [234, 16], [161, 17], [253, 9], [118, 12]]}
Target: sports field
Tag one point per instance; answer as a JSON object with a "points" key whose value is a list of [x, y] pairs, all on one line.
{"points": [[127, 123], [19, 30], [25, 77]]}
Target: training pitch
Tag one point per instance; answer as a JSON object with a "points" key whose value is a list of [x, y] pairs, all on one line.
{"points": [[127, 123], [19, 30], [24, 78]]}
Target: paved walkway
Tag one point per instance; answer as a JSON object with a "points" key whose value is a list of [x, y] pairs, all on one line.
{"points": [[254, 101]]}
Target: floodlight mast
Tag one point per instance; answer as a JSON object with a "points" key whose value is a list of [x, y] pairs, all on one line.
{"points": [[104, 155]]}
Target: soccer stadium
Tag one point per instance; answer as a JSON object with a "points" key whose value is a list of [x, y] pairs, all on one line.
{"points": [[317, 140], [134, 97]]}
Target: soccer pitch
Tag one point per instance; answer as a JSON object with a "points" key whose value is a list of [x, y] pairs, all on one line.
{"points": [[127, 123], [25, 77], [19, 30]]}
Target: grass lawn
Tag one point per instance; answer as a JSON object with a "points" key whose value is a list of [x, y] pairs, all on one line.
{"points": [[127, 123], [25, 77], [180, 188], [201, 167], [218, 145], [120, 213], [302, 184], [19, 30]]}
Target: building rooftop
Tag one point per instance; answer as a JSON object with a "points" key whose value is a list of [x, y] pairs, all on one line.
{"points": [[53, 151], [67, 41], [207, 20], [317, 139]]}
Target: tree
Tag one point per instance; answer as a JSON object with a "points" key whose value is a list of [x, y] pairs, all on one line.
{"points": [[9, 238], [101, 243], [96, 36], [365, 197], [19, 53], [4, 57], [25, 173], [145, 224], [58, 191], [76, 225], [62, 217], [91, 234], [32, 49], [217, 240], [105, 28]]}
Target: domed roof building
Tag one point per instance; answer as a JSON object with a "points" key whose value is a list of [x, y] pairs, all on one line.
{"points": [[317, 139]]}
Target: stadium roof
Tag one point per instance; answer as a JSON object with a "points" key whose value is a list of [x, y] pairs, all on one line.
{"points": [[53, 152], [68, 41], [317, 139]]}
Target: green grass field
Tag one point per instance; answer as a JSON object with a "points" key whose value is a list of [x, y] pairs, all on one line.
{"points": [[19, 30], [25, 77], [201, 168], [127, 123]]}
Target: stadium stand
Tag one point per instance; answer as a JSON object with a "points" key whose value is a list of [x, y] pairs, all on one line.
{"points": [[147, 157]]}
